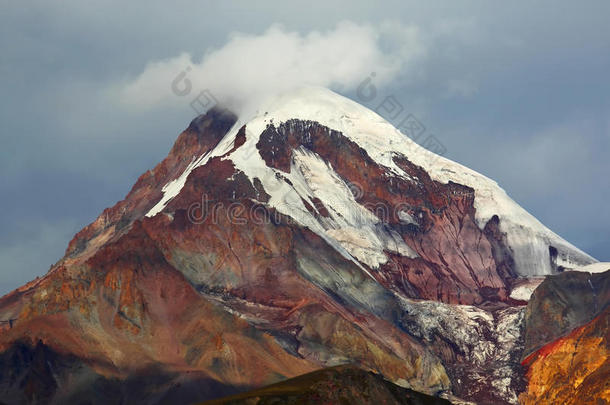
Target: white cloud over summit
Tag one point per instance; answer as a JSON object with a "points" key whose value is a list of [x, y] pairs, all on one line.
{"points": [[249, 67]]}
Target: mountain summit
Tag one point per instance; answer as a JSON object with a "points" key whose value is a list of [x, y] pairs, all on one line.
{"points": [[536, 249], [310, 235]]}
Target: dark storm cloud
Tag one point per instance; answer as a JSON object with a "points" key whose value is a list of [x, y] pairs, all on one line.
{"points": [[517, 92]]}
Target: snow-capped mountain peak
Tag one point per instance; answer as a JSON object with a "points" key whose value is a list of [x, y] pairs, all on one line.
{"points": [[350, 227], [307, 235]]}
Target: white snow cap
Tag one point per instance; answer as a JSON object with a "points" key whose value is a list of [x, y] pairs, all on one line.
{"points": [[354, 233], [599, 267]]}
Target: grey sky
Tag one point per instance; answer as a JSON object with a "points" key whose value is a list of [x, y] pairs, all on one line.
{"points": [[517, 92]]}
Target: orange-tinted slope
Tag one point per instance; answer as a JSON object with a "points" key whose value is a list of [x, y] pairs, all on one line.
{"points": [[573, 370], [567, 340], [127, 310]]}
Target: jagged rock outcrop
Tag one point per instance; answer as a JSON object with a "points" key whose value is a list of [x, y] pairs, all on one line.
{"points": [[562, 303], [441, 231]]}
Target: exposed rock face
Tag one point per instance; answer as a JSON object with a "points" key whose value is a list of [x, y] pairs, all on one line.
{"points": [[338, 385], [448, 245], [481, 347], [567, 345], [126, 310], [202, 135], [562, 303], [261, 252]]}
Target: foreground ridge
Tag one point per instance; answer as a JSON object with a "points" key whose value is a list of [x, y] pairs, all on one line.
{"points": [[341, 384]]}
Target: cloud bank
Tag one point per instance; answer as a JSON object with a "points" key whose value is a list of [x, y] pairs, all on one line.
{"points": [[250, 67]]}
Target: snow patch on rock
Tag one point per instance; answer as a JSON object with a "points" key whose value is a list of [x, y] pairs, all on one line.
{"points": [[524, 291], [490, 342], [599, 267]]}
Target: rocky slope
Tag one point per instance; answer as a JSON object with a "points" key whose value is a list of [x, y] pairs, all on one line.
{"points": [[567, 348], [562, 303], [574, 369], [310, 235]]}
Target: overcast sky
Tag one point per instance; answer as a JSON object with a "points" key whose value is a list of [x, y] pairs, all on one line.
{"points": [[518, 93]]}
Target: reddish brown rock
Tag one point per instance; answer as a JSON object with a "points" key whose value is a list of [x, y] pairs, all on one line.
{"points": [[458, 262]]}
